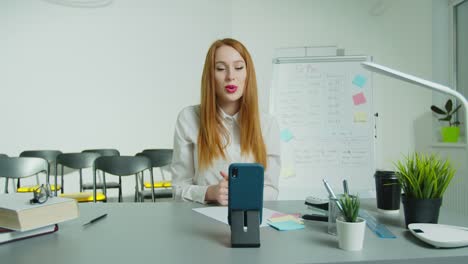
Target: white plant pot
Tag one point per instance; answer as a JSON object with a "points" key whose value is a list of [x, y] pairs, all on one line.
{"points": [[350, 235]]}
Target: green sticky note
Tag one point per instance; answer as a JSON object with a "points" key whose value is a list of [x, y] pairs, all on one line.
{"points": [[359, 81], [286, 225], [286, 135]]}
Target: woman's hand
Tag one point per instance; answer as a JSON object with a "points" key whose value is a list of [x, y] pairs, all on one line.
{"points": [[219, 192]]}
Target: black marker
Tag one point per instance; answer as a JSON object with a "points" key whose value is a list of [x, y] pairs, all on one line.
{"points": [[95, 219]]}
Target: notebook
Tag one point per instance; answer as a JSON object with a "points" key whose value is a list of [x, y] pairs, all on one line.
{"points": [[7, 235]]}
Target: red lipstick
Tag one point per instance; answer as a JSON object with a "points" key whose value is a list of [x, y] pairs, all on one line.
{"points": [[231, 88]]}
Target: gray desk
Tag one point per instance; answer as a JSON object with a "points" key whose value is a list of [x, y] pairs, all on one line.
{"points": [[172, 233]]}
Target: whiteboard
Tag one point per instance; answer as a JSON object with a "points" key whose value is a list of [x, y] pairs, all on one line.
{"points": [[324, 106]]}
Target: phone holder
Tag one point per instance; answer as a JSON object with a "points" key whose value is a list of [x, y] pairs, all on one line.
{"points": [[241, 236]]}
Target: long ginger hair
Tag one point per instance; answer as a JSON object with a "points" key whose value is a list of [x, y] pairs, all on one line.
{"points": [[213, 137]]}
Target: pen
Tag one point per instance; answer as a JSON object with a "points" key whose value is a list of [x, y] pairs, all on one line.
{"points": [[345, 187], [332, 194], [95, 219]]}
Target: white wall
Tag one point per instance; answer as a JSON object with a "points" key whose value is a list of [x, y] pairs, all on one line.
{"points": [[396, 33], [117, 76]]}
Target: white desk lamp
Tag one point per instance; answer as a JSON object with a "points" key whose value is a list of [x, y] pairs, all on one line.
{"points": [[421, 82], [434, 234]]}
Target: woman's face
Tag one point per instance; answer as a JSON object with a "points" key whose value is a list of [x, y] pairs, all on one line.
{"points": [[230, 75]]}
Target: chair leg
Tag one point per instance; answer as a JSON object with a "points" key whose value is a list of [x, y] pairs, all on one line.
{"points": [[120, 189], [6, 185], [81, 180], [61, 180], [135, 198], [13, 185], [152, 185]]}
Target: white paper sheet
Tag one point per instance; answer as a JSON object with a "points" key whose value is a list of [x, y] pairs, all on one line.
{"points": [[220, 213]]}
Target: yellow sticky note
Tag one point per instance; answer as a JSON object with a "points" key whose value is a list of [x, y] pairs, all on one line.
{"points": [[285, 218], [282, 218], [360, 117], [287, 172]]}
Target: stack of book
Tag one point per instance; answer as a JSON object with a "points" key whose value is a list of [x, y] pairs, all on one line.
{"points": [[19, 219]]}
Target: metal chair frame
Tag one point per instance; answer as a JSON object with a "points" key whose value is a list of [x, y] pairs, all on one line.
{"points": [[121, 166], [77, 161], [109, 152], [159, 158], [22, 167]]}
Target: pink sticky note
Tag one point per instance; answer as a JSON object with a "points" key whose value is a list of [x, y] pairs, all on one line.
{"points": [[359, 99], [275, 215]]}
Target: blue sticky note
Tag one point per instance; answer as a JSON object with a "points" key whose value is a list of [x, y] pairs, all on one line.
{"points": [[286, 135], [286, 225], [359, 80]]}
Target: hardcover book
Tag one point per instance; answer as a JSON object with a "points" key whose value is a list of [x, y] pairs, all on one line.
{"points": [[17, 213]]}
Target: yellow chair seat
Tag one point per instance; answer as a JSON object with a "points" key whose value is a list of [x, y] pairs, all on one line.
{"points": [[159, 184], [84, 196], [31, 188]]}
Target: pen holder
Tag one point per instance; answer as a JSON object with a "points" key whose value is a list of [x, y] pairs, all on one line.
{"points": [[333, 213], [241, 237]]}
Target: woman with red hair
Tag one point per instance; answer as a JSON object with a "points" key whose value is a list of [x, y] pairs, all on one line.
{"points": [[225, 128]]}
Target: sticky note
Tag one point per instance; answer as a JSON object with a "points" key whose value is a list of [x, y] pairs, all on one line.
{"points": [[286, 226], [359, 98], [285, 218], [286, 135], [281, 214], [288, 171], [360, 117], [359, 80]]}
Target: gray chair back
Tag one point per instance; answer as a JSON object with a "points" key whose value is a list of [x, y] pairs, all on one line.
{"points": [[77, 161], [158, 157], [120, 166], [17, 168], [22, 167], [104, 152], [49, 155]]}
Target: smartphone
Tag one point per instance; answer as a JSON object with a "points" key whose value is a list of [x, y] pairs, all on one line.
{"points": [[245, 188]]}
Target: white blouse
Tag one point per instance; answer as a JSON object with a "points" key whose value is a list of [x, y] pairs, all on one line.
{"points": [[189, 183]]}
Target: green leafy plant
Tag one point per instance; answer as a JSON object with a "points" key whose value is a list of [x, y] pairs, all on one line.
{"points": [[448, 113], [424, 176], [350, 207]]}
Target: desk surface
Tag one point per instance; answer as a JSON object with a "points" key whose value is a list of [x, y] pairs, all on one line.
{"points": [[171, 232]]}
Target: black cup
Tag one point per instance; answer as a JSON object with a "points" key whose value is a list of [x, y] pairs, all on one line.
{"points": [[388, 190]]}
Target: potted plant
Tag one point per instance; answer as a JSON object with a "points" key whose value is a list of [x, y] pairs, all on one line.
{"points": [[350, 228], [424, 179], [451, 132]]}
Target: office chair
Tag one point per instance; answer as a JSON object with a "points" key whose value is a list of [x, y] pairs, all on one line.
{"points": [[16, 168], [159, 158], [121, 166], [110, 185], [50, 156], [6, 179], [78, 161]]}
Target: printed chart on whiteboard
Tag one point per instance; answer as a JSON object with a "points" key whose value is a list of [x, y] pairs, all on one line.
{"points": [[324, 108]]}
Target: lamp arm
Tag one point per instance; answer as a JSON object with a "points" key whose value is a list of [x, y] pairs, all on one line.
{"points": [[421, 82]]}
